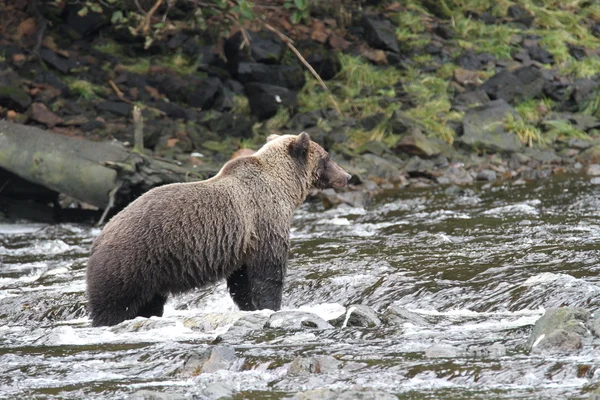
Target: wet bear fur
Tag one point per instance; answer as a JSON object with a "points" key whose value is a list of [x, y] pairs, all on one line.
{"points": [[234, 226]]}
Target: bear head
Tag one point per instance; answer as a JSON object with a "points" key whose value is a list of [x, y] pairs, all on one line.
{"points": [[321, 171]]}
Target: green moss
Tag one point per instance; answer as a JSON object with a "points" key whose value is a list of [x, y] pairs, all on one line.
{"points": [[241, 106], [85, 89], [110, 47], [278, 121]]}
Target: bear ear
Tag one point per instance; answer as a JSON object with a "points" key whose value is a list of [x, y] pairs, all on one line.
{"points": [[271, 137], [299, 147]]}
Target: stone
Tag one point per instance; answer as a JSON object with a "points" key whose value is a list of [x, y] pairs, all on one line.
{"points": [[414, 142], [357, 393], [331, 198], [493, 351], [593, 170], [324, 61], [577, 52], [470, 60], [209, 360], [265, 48], [87, 24], [155, 395], [378, 168], [559, 330], [243, 327], [40, 113], [483, 128], [442, 351], [204, 93], [14, 98], [522, 84], [380, 33], [487, 175], [401, 123], [358, 315], [119, 108], [265, 100], [539, 54], [418, 167], [520, 14], [60, 63], [218, 390], [231, 124], [397, 316], [296, 320], [464, 101], [313, 365], [287, 76], [370, 122]]}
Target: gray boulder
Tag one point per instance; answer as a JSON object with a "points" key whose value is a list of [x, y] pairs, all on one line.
{"points": [[559, 330]]}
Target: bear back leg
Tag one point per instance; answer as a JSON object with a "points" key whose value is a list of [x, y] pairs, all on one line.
{"points": [[153, 308]]}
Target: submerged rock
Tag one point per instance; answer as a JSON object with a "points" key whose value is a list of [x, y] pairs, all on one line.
{"points": [[244, 327], [296, 320], [491, 351], [559, 330], [313, 365], [210, 360], [395, 315], [442, 351], [351, 394], [154, 395]]}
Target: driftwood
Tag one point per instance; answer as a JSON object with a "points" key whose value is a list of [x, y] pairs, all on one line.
{"points": [[104, 174]]}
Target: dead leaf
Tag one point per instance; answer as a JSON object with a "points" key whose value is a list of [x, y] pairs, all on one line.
{"points": [[27, 27], [337, 42], [172, 142]]}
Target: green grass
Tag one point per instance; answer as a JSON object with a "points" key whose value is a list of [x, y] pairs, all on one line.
{"points": [[562, 129], [85, 90], [492, 39], [526, 132], [585, 68], [593, 106], [533, 110], [241, 106]]}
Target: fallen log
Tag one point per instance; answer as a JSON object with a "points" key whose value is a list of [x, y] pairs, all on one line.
{"points": [[104, 174]]}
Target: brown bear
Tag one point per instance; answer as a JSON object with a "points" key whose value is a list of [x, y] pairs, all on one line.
{"points": [[182, 236]]}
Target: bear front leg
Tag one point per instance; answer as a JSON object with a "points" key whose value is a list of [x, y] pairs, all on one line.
{"points": [[239, 288], [266, 283]]}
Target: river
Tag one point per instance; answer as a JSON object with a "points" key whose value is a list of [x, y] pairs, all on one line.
{"points": [[475, 267]]}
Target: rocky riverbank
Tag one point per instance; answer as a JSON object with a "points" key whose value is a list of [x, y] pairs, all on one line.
{"points": [[429, 95]]}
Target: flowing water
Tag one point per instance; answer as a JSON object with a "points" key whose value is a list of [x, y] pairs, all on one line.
{"points": [[478, 265]]}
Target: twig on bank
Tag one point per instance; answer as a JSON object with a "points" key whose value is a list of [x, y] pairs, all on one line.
{"points": [[148, 19], [289, 42], [111, 202], [122, 97]]}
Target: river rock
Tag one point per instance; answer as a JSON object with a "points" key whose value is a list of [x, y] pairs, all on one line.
{"points": [[210, 360], [414, 142], [313, 365], [520, 14], [358, 315], [218, 390], [355, 198], [492, 351], [559, 330], [483, 128], [487, 175], [472, 61], [593, 170], [141, 324], [380, 33], [211, 321], [243, 327], [60, 63], [265, 100], [358, 393], [119, 108], [398, 316], [539, 54], [377, 168], [155, 395], [296, 320], [514, 87], [442, 351]]}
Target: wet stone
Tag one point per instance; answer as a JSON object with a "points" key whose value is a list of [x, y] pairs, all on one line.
{"points": [[155, 395], [559, 330], [358, 393], [296, 320], [142, 324], [218, 390], [360, 316], [593, 170], [210, 360], [313, 365], [492, 351], [243, 327], [398, 316], [414, 142], [115, 107], [464, 101], [486, 175], [442, 351]]}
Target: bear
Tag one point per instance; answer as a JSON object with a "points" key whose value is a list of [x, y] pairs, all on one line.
{"points": [[233, 226]]}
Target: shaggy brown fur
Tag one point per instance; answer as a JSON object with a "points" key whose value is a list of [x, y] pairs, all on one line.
{"points": [[186, 235]]}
